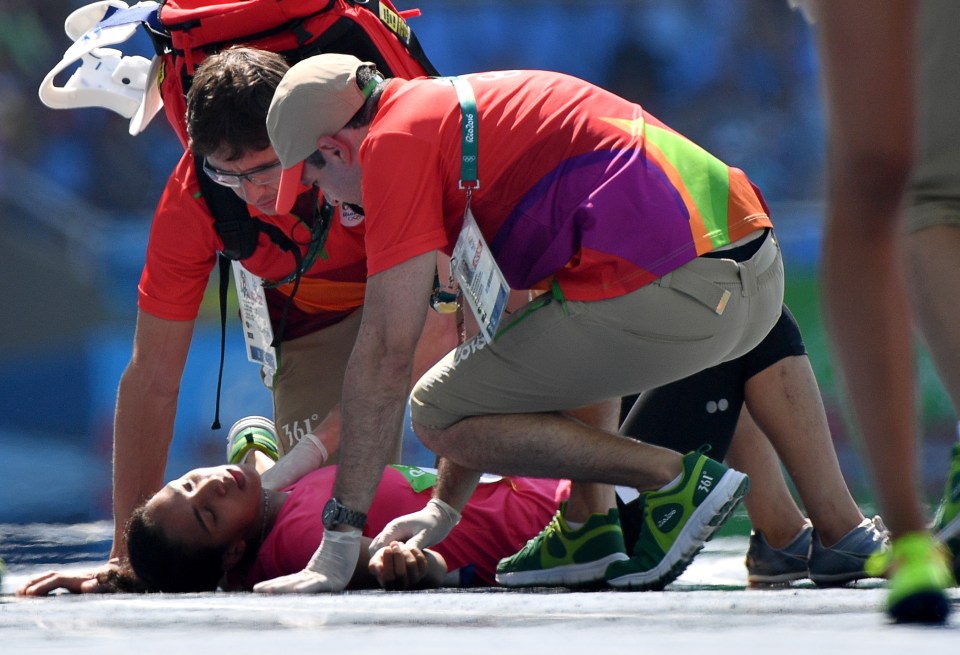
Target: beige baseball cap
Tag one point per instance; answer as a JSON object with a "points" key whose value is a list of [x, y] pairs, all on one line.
{"points": [[316, 97]]}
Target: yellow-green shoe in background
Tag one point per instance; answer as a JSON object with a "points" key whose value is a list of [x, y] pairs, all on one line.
{"points": [[919, 575], [946, 522]]}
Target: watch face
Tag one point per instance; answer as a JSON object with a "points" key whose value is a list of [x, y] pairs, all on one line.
{"points": [[330, 512], [334, 514]]}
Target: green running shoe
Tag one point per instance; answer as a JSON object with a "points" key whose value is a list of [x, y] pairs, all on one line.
{"points": [[252, 433], [919, 576], [946, 522], [677, 522], [559, 556]]}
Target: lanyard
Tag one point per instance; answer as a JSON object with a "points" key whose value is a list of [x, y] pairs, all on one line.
{"points": [[470, 125], [444, 300], [318, 238], [472, 264]]}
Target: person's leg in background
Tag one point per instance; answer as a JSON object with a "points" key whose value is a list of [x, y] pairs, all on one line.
{"points": [[933, 222], [867, 61], [784, 401], [776, 381], [779, 550]]}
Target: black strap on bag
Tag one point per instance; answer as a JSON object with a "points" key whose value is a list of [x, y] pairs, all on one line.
{"points": [[240, 233]]}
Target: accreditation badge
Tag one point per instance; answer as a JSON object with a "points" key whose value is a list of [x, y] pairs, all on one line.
{"points": [[480, 279], [257, 329]]}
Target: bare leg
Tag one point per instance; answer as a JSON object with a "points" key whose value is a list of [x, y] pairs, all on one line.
{"points": [[867, 53], [769, 502], [551, 446], [784, 399], [589, 498]]}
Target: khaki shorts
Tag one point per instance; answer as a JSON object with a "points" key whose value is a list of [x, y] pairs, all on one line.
{"points": [[310, 380], [934, 193], [565, 355]]}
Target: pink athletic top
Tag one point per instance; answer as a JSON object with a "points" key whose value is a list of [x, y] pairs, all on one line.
{"points": [[497, 521]]}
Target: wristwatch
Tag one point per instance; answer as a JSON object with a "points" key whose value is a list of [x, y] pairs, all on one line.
{"points": [[336, 513]]}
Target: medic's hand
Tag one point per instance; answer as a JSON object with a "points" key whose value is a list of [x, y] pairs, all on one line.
{"points": [[420, 529], [330, 568]]}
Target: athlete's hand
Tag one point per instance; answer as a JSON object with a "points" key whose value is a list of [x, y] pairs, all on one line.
{"points": [[420, 529], [75, 583], [330, 568], [398, 566]]}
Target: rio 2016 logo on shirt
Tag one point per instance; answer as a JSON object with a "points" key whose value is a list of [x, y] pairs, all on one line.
{"points": [[349, 217]]}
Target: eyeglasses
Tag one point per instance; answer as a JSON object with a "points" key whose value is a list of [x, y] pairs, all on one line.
{"points": [[260, 176]]}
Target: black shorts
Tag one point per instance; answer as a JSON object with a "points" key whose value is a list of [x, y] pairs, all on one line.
{"points": [[704, 408]]}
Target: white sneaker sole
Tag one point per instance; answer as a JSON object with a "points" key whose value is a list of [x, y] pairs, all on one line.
{"points": [[570, 575]]}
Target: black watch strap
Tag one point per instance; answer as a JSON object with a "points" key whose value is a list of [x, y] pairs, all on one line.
{"points": [[336, 513]]}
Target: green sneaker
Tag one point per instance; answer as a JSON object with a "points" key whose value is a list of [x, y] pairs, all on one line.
{"points": [[920, 574], [559, 556], [677, 522], [252, 433], [946, 522]]}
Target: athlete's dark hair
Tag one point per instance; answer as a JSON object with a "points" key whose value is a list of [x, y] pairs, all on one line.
{"points": [[163, 564]]}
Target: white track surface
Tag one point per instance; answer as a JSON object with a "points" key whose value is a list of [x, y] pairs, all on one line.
{"points": [[708, 610]]}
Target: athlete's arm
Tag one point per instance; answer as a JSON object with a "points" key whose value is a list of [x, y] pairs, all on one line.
{"points": [[143, 430], [400, 566]]}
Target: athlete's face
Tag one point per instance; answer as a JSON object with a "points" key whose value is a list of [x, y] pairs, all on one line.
{"points": [[254, 176], [211, 507]]}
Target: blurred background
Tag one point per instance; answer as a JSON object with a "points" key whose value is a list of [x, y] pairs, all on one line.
{"points": [[77, 195]]}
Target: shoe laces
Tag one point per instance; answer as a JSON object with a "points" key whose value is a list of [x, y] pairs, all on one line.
{"points": [[549, 528], [880, 526]]}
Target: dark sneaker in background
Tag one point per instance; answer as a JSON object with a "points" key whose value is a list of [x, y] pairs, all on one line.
{"points": [[769, 566], [846, 560]]}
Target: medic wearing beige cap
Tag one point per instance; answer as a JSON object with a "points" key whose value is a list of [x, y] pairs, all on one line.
{"points": [[531, 180]]}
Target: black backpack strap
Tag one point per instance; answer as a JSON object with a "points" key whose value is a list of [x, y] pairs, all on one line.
{"points": [[231, 218], [240, 233], [285, 243], [224, 265], [237, 230]]}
